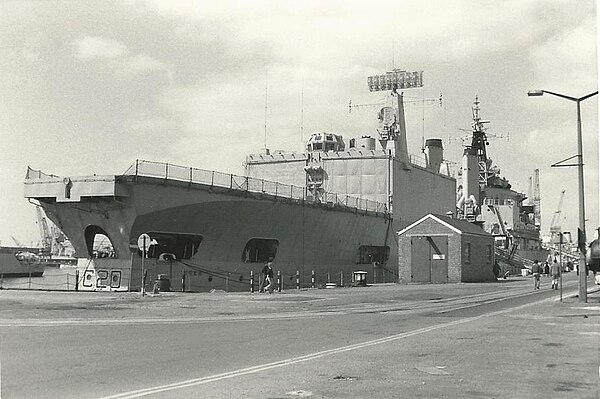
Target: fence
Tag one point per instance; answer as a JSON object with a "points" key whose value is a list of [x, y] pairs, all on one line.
{"points": [[72, 280], [283, 281], [244, 183], [52, 280]]}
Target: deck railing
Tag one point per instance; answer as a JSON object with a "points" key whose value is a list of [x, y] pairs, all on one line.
{"points": [[249, 184]]}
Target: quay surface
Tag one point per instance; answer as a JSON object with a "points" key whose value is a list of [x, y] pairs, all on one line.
{"points": [[494, 340]]}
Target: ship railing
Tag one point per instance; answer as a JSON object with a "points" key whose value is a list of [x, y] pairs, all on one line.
{"points": [[37, 174], [421, 161], [249, 184], [495, 201], [417, 160]]}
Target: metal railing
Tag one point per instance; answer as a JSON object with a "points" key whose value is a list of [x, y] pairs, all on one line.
{"points": [[248, 184], [37, 174], [495, 201]]}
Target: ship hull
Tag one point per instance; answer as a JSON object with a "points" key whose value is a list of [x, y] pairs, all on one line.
{"points": [[11, 267], [219, 223]]}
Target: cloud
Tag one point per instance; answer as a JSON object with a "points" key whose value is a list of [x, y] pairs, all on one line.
{"points": [[572, 52], [143, 63], [92, 47], [116, 55]]}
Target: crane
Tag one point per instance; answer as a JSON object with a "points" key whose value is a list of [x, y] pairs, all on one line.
{"points": [[45, 234], [555, 229], [16, 241]]}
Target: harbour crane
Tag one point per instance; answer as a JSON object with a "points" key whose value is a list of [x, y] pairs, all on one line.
{"points": [[16, 241], [45, 234], [555, 228]]}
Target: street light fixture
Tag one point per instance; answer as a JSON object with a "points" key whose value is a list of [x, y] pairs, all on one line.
{"points": [[581, 235]]}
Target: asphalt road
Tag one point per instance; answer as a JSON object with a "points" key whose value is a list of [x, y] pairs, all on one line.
{"points": [[457, 340]]}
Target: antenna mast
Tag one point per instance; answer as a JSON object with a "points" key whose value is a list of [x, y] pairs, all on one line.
{"points": [[266, 106], [302, 114]]}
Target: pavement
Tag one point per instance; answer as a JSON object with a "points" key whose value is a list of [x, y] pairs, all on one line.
{"points": [[541, 347]]}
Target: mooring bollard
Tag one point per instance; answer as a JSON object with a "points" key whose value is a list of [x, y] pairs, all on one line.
{"points": [[278, 280], [312, 279], [251, 280], [297, 279]]}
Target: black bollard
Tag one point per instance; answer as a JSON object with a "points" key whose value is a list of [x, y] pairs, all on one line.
{"points": [[279, 281]]}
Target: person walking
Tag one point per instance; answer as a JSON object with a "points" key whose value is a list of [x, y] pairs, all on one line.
{"points": [[267, 277], [536, 270], [555, 273]]}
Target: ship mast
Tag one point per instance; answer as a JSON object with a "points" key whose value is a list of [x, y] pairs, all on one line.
{"points": [[393, 122], [479, 143]]}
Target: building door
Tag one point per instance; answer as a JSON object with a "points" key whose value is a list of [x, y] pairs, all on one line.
{"points": [[439, 259], [429, 259], [420, 260]]}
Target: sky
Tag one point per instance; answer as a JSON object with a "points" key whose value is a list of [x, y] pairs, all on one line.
{"points": [[88, 87]]}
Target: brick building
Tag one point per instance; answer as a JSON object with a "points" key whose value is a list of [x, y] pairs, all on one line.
{"points": [[440, 249]]}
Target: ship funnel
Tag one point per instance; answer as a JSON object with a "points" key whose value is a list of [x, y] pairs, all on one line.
{"points": [[435, 154]]}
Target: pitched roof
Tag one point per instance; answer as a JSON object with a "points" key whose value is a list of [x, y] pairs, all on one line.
{"points": [[458, 225]]}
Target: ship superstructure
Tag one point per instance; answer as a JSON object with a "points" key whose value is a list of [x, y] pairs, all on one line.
{"points": [[487, 198]]}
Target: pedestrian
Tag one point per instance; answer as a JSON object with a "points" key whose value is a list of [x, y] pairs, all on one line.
{"points": [[267, 277], [263, 277], [496, 270], [555, 272], [546, 268], [536, 270]]}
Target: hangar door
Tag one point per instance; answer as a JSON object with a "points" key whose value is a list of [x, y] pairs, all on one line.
{"points": [[429, 259]]}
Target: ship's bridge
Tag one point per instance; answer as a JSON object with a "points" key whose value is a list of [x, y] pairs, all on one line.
{"points": [[325, 142]]}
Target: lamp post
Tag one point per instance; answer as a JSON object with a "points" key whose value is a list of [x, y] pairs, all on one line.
{"points": [[581, 236]]}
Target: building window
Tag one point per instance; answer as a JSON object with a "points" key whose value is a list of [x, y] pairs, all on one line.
{"points": [[490, 253], [467, 252], [260, 250], [368, 254]]}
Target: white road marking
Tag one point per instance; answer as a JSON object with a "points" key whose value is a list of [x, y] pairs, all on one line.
{"points": [[171, 320], [311, 356]]}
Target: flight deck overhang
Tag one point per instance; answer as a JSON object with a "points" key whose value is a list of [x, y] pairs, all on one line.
{"points": [[72, 189]]}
